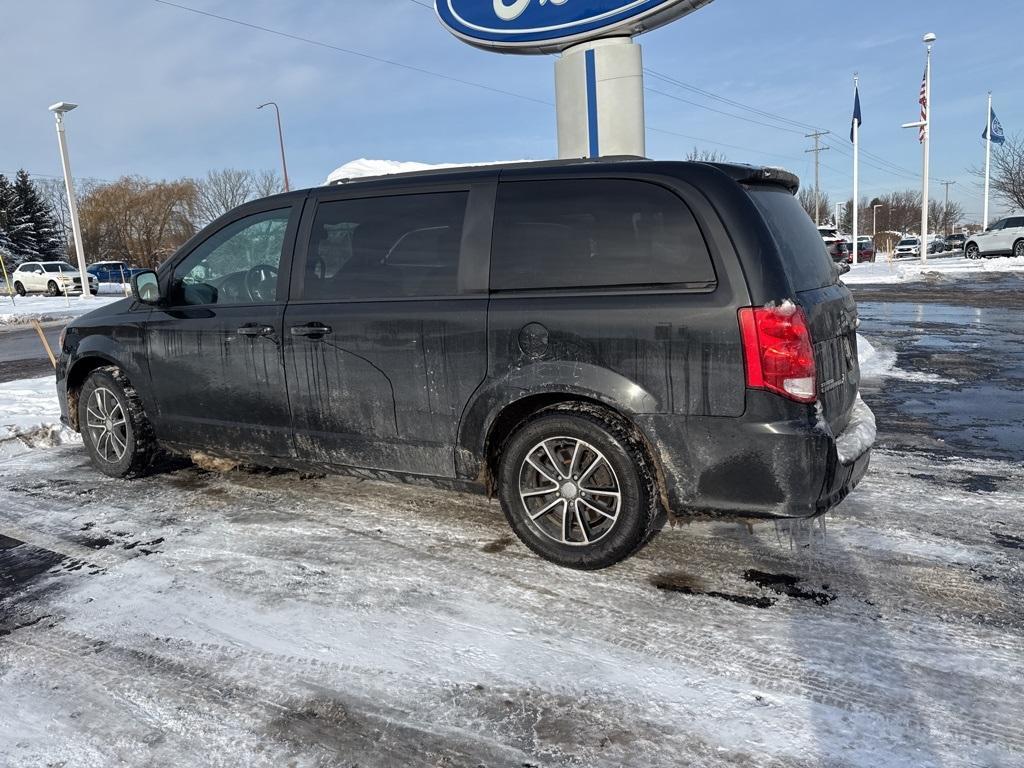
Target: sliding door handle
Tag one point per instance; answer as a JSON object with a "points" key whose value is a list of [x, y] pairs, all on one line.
{"points": [[312, 330]]}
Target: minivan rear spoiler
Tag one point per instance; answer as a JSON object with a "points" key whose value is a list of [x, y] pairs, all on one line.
{"points": [[752, 174]]}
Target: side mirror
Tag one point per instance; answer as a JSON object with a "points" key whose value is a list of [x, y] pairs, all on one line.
{"points": [[146, 287], [842, 267]]}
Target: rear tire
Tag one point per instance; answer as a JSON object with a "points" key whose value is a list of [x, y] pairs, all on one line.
{"points": [[115, 430], [576, 487], [19, 289]]}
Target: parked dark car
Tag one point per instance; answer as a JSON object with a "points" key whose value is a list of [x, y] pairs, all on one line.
{"points": [[937, 245], [840, 251], [112, 271], [601, 344], [956, 242]]}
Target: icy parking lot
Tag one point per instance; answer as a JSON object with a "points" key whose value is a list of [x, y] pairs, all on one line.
{"points": [[272, 619]]}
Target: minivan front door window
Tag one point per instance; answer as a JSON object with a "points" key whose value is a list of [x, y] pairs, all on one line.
{"points": [[238, 265]]}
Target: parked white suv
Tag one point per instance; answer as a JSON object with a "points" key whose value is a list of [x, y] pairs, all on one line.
{"points": [[908, 246], [1004, 238], [50, 277]]}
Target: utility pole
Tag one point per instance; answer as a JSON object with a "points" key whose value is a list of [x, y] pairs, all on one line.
{"points": [[945, 208], [818, 149]]}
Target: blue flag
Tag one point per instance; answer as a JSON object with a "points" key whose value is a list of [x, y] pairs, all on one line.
{"points": [[856, 111], [998, 137]]}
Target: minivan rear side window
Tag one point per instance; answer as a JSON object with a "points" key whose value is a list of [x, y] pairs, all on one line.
{"points": [[593, 233], [803, 251], [403, 246]]}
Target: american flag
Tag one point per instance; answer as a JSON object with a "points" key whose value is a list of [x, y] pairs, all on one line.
{"points": [[923, 99]]}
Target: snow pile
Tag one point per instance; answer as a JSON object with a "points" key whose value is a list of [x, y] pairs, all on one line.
{"points": [[30, 416], [358, 169], [938, 268], [878, 362], [25, 309], [859, 434]]}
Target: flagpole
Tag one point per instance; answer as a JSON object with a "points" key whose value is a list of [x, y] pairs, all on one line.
{"points": [[856, 174], [988, 158], [927, 150]]}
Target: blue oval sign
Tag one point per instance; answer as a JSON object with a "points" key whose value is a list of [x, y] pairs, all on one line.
{"points": [[548, 26]]}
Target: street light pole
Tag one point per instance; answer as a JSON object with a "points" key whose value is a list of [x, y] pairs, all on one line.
{"points": [[280, 140], [59, 109], [874, 218]]}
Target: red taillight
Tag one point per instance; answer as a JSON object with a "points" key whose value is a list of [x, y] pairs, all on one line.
{"points": [[778, 351]]}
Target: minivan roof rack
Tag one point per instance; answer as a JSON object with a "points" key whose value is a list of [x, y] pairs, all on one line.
{"points": [[527, 164]]}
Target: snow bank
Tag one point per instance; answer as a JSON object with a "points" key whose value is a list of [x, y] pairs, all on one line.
{"points": [[30, 416], [939, 269], [25, 309], [358, 169]]}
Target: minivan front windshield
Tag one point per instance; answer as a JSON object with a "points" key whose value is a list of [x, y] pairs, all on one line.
{"points": [[799, 241], [59, 266]]}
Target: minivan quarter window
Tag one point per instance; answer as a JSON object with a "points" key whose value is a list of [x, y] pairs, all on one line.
{"points": [[237, 265], [403, 246], [593, 233]]}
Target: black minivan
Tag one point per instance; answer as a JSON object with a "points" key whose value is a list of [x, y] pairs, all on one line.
{"points": [[604, 345]]}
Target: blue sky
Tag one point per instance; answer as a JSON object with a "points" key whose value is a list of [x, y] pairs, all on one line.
{"points": [[166, 93]]}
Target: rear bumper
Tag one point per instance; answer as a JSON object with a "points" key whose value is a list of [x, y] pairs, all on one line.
{"points": [[775, 461]]}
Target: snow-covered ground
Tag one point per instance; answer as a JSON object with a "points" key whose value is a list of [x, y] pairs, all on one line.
{"points": [[30, 417], [264, 620], [25, 309], [948, 267]]}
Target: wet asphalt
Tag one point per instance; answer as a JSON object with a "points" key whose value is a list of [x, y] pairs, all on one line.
{"points": [[963, 346], [22, 354]]}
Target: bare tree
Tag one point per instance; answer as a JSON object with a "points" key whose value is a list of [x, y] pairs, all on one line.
{"points": [[56, 195], [705, 155], [219, 192], [226, 189], [813, 205], [1007, 177], [137, 219], [266, 183]]}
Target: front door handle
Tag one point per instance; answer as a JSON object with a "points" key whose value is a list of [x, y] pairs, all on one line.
{"points": [[254, 329], [314, 330]]}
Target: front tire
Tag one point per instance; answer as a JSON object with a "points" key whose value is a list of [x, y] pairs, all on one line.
{"points": [[115, 430], [972, 251], [19, 289], [52, 289], [1018, 249], [576, 487]]}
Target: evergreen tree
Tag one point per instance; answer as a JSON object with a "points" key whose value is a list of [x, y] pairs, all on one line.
{"points": [[45, 241], [15, 227]]}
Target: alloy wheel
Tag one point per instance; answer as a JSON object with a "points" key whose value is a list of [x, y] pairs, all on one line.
{"points": [[570, 491], [107, 425]]}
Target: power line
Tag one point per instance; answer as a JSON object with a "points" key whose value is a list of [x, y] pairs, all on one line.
{"points": [[351, 52], [720, 112]]}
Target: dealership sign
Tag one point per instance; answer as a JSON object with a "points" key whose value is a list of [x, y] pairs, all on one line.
{"points": [[549, 26]]}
